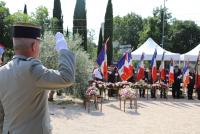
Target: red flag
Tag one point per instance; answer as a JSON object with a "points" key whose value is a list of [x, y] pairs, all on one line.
{"points": [[153, 66], [186, 79], [125, 67], [171, 73], [102, 60], [162, 68], [197, 83], [140, 74]]}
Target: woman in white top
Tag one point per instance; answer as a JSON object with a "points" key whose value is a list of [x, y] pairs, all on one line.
{"points": [[97, 74]]}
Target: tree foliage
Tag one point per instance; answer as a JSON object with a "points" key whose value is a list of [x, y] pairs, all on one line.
{"points": [[153, 26], [108, 31], [127, 28], [92, 48], [25, 9], [57, 13], [184, 36], [42, 17], [5, 26], [84, 65], [80, 22]]}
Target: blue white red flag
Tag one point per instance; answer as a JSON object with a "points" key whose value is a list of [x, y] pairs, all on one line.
{"points": [[125, 67], [162, 68], [102, 61], [186, 79], [140, 72], [197, 68], [171, 73], [153, 66]]}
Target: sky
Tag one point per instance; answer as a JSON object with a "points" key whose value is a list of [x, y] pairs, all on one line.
{"points": [[180, 9]]}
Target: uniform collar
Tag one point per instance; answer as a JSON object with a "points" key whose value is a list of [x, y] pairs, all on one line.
{"points": [[19, 57]]}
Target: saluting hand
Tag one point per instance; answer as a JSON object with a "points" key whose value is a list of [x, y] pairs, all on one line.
{"points": [[60, 42]]}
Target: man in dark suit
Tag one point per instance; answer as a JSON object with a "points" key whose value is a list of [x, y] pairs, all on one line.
{"points": [[176, 92], [191, 84], [112, 79]]}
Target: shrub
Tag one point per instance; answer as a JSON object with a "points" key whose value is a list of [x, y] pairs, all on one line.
{"points": [[84, 65]]}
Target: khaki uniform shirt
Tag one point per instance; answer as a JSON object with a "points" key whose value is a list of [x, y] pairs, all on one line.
{"points": [[23, 94]]}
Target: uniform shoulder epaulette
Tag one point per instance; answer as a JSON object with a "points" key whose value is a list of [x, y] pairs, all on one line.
{"points": [[30, 58]]}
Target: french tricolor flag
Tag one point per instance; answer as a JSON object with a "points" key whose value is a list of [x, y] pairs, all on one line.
{"points": [[153, 66], [102, 61], [171, 73], [162, 68], [125, 67], [197, 67], [140, 74], [186, 79]]}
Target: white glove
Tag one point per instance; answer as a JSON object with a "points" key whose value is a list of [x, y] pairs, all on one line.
{"points": [[60, 42]]}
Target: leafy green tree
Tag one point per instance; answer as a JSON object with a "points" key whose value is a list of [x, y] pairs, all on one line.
{"points": [[54, 25], [184, 36], [20, 17], [67, 33], [25, 9], [126, 29], [42, 16], [57, 13], [153, 26], [108, 31], [80, 22], [5, 26], [92, 48], [84, 65], [100, 42]]}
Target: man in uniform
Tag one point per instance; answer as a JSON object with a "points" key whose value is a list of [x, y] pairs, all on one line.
{"points": [[176, 92], [112, 79], [191, 84], [24, 82]]}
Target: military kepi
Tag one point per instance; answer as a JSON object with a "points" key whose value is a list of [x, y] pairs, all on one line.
{"points": [[26, 31]]}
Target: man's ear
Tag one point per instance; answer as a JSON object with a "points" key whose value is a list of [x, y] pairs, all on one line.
{"points": [[33, 46]]}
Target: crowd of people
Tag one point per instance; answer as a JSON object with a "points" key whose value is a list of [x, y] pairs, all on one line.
{"points": [[177, 93], [25, 82]]}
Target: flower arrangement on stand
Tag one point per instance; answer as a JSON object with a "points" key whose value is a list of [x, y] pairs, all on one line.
{"points": [[101, 86], [141, 85], [92, 95], [164, 86], [92, 90], [123, 84], [127, 93], [156, 85]]}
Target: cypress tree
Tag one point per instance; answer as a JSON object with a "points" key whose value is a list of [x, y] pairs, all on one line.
{"points": [[80, 22], [108, 31], [57, 13], [25, 9], [67, 33], [100, 42]]}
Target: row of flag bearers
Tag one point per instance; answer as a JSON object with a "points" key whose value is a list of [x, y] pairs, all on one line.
{"points": [[172, 77]]}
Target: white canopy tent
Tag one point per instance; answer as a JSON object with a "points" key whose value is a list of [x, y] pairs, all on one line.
{"points": [[149, 47], [192, 54]]}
